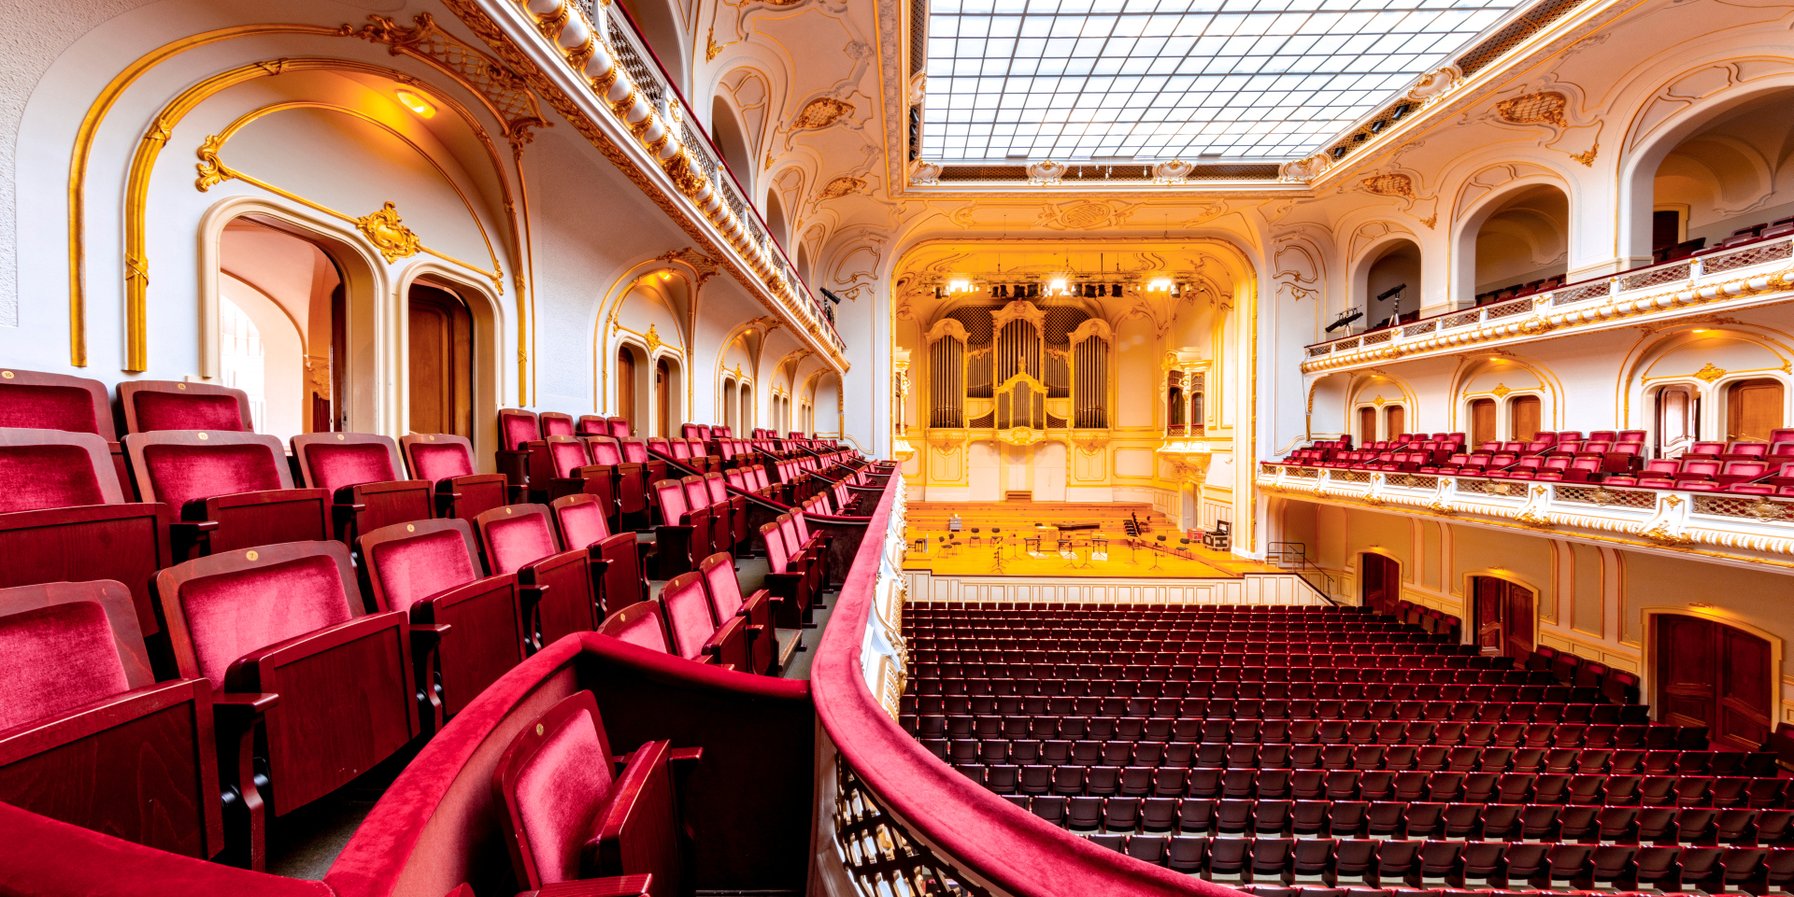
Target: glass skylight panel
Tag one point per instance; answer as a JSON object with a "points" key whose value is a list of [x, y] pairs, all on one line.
{"points": [[1234, 80]]}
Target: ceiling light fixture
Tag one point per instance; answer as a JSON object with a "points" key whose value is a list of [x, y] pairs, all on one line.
{"points": [[415, 102]]}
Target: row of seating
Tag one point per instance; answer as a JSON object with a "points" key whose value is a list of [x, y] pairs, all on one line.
{"points": [[1402, 867], [1220, 730], [1519, 290], [1414, 819], [1422, 757], [1371, 701]]}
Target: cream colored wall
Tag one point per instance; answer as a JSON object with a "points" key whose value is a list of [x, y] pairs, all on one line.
{"points": [[1593, 599]]}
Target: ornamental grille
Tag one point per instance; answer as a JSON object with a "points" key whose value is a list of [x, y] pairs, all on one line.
{"points": [[1322, 349], [1746, 257], [1594, 290], [1752, 508], [634, 62], [1507, 309], [1411, 481], [1420, 328], [1303, 473], [1378, 338], [879, 854], [1656, 277], [1460, 319], [1617, 498], [1350, 476]]}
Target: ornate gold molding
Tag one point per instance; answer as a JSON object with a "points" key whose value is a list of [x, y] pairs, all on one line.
{"points": [[388, 233]]}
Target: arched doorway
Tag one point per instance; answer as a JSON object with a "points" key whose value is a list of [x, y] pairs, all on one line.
{"points": [[1379, 582], [1505, 612], [1753, 409], [282, 327], [666, 396], [1678, 418], [441, 361], [1518, 247], [1709, 674], [1391, 285]]}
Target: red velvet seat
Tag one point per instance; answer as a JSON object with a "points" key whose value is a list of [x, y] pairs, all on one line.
{"points": [[683, 536], [64, 517], [517, 428], [692, 626], [786, 579], [628, 482], [559, 596], [446, 461], [88, 736], [151, 405], [33, 400], [615, 559], [278, 630], [467, 627], [697, 495], [757, 610], [571, 815], [365, 479], [229, 490], [556, 468], [556, 423], [642, 624]]}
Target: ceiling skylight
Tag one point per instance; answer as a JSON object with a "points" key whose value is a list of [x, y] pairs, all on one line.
{"points": [[1224, 80]]}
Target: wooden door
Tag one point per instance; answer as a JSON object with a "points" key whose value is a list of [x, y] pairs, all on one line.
{"points": [[626, 385], [1504, 616], [663, 398], [1666, 228], [1710, 674], [1482, 422], [1523, 418], [1367, 425], [1753, 409], [1395, 420], [1380, 582], [441, 340], [1678, 418]]}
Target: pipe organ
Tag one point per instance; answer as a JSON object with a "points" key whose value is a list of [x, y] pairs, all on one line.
{"points": [[1019, 366]]}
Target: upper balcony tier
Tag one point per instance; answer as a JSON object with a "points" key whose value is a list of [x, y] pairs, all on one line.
{"points": [[1754, 273], [625, 89]]}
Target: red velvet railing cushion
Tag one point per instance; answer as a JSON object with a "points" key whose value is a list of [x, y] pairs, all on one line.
{"points": [[519, 541], [48, 407], [688, 615], [184, 473], [350, 464], [440, 462], [232, 614], [57, 657], [560, 790], [413, 569], [583, 525], [183, 411], [47, 476]]}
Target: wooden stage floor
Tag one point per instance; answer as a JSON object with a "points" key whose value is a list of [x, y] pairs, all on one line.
{"points": [[1024, 539]]}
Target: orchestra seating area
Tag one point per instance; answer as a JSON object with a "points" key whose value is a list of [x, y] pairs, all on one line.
{"points": [[1329, 750], [1606, 457], [208, 633]]}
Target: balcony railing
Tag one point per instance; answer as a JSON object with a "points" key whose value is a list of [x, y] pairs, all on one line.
{"points": [[902, 821], [607, 50], [1743, 527], [1717, 276]]}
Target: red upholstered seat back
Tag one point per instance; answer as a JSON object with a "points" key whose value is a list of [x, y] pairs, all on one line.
{"points": [[152, 405], [778, 554], [688, 615], [717, 487], [725, 590], [516, 427], [582, 521], [55, 469], [604, 450], [635, 451], [517, 536], [555, 778], [430, 557], [619, 427], [670, 496], [58, 657], [335, 460], [438, 457], [696, 494], [225, 606], [567, 453], [180, 467], [555, 423], [639, 624], [29, 399]]}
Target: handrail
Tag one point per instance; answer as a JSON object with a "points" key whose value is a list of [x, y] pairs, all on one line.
{"points": [[985, 838], [1279, 553], [592, 8], [1719, 260]]}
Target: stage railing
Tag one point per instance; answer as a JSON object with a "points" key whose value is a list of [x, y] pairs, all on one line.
{"points": [[901, 821]]}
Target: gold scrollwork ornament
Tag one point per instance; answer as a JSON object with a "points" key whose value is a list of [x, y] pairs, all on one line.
{"points": [[389, 234]]}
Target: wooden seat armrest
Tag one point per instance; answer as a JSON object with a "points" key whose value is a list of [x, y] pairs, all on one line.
{"points": [[616, 886]]}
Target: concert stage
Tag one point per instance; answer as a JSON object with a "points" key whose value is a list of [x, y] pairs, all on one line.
{"points": [[1059, 539]]}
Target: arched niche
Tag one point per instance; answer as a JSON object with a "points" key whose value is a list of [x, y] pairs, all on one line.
{"points": [[726, 130], [1514, 244], [1391, 271]]}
